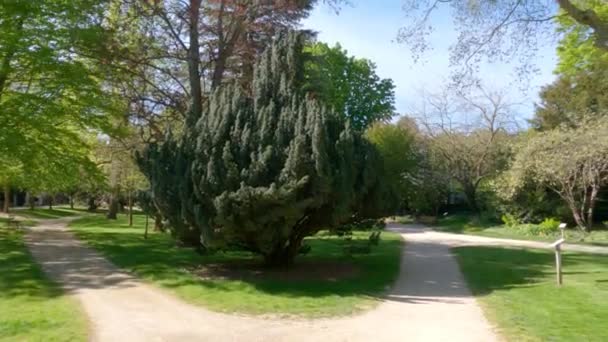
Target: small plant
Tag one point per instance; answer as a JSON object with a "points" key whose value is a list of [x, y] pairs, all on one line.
{"points": [[510, 220], [548, 226]]}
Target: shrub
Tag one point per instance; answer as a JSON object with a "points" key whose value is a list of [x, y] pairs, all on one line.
{"points": [[549, 225], [510, 220]]}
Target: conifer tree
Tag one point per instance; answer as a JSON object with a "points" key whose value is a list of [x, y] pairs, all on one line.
{"points": [[265, 166]]}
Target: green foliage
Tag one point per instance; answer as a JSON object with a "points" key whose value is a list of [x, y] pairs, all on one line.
{"points": [[264, 168], [577, 50], [349, 85], [574, 97], [571, 162], [396, 146], [549, 225], [510, 220], [51, 94], [166, 168]]}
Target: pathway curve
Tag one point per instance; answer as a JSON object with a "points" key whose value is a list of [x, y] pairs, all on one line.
{"points": [[429, 301]]}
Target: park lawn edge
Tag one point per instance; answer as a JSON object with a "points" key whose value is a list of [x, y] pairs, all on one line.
{"points": [[35, 298], [516, 289], [353, 304]]}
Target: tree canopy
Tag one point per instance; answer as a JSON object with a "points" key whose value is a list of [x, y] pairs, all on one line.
{"points": [[349, 85]]}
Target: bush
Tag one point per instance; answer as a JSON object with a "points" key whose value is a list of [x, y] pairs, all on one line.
{"points": [[510, 220], [549, 225]]}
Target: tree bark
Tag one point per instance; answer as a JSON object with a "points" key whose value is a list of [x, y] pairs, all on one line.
{"points": [[158, 223], [146, 228], [92, 206], [284, 256], [590, 18], [194, 60], [470, 193], [592, 201], [51, 202], [113, 208], [30, 200], [131, 210], [7, 195], [71, 201]]}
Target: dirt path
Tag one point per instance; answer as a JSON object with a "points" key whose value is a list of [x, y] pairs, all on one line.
{"points": [[429, 302]]}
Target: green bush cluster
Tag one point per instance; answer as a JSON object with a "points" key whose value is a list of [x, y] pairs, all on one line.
{"points": [[510, 220]]}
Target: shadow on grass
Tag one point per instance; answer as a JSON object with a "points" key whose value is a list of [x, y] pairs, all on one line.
{"points": [[40, 213], [20, 276], [159, 260], [489, 269]]}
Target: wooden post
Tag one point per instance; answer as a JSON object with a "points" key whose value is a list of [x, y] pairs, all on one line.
{"points": [[558, 260], [558, 264]]}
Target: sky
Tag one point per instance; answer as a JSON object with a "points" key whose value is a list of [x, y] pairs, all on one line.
{"points": [[368, 29]]}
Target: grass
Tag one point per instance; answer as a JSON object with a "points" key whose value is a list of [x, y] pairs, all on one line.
{"points": [[467, 224], [404, 219], [158, 261], [31, 307], [517, 290], [45, 213]]}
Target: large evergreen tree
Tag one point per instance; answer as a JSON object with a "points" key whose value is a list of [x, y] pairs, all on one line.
{"points": [[269, 164]]}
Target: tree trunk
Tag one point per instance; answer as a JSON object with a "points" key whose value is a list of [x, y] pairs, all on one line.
{"points": [[131, 210], [284, 256], [578, 218], [592, 200], [158, 223], [30, 201], [72, 202], [189, 238], [7, 195], [470, 193], [146, 229], [113, 208], [92, 206], [194, 60], [51, 202]]}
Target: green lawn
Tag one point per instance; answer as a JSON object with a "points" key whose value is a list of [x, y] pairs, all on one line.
{"points": [[466, 224], [516, 288], [159, 261], [31, 307], [45, 213]]}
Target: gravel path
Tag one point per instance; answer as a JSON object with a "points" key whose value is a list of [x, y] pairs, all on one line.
{"points": [[429, 301]]}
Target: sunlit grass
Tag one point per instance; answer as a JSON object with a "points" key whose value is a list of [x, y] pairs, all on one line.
{"points": [[158, 260], [518, 292], [31, 307]]}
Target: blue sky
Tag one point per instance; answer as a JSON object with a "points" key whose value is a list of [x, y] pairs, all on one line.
{"points": [[368, 29]]}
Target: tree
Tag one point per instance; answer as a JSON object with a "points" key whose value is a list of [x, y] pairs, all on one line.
{"points": [[350, 85], [507, 30], [578, 50], [573, 97], [396, 145], [468, 134], [270, 169], [572, 162], [50, 92], [179, 51]]}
